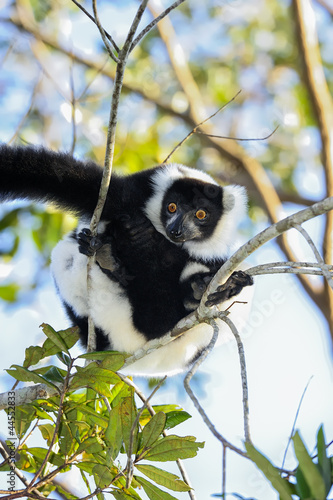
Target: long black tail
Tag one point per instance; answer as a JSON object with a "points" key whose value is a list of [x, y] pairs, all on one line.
{"points": [[42, 175]]}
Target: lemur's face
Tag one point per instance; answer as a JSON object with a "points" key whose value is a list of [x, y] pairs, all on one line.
{"points": [[191, 210]]}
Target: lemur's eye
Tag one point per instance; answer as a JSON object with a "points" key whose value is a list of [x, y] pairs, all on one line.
{"points": [[172, 207], [200, 214]]}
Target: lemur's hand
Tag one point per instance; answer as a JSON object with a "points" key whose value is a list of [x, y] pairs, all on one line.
{"points": [[232, 287], [88, 244]]}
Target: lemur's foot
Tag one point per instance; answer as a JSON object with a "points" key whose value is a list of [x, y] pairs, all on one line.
{"points": [[232, 287]]}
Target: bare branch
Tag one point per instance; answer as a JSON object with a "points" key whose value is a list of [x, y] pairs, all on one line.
{"points": [[245, 390], [194, 130], [152, 25], [28, 394], [324, 267], [110, 143], [194, 399], [271, 232], [109, 37], [288, 267], [244, 139], [105, 39]]}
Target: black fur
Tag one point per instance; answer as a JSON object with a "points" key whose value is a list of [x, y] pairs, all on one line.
{"points": [[129, 251]]}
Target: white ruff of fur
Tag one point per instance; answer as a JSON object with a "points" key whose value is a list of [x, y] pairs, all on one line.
{"points": [[219, 244]]}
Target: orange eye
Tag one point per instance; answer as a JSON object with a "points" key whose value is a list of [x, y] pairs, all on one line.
{"points": [[172, 207], [201, 214]]}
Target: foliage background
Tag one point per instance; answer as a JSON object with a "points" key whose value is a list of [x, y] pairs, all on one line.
{"points": [[54, 67]]}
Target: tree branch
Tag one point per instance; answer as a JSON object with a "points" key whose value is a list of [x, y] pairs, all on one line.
{"points": [[245, 390], [194, 399]]}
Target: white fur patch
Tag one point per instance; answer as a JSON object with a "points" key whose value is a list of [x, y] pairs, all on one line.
{"points": [[108, 306], [162, 179], [192, 268], [234, 207]]}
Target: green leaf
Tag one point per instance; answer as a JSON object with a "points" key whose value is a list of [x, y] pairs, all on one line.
{"points": [[25, 375], [40, 453], [68, 337], [64, 358], [153, 430], [152, 491], [128, 416], [164, 478], [113, 433], [93, 416], [272, 474], [54, 375], [103, 476], [33, 355], [310, 471], [55, 337], [91, 445], [172, 448], [65, 493], [66, 438], [86, 465], [111, 360], [24, 415], [47, 431], [177, 417], [94, 377], [302, 486], [324, 462]]}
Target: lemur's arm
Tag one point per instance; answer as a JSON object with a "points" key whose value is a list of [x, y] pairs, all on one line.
{"points": [[42, 175], [136, 231]]}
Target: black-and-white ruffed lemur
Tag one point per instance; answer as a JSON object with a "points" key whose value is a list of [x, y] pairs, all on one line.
{"points": [[164, 233]]}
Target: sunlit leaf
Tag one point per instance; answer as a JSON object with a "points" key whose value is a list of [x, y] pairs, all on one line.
{"points": [[162, 477], [153, 430], [172, 448], [310, 471], [153, 492], [272, 474]]}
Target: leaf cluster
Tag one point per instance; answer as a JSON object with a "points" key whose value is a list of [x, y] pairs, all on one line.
{"points": [[109, 442], [313, 477]]}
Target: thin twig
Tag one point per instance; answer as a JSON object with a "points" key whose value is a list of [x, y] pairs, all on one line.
{"points": [[194, 399], [108, 36], [294, 423], [73, 107], [194, 130], [224, 471], [245, 389], [288, 267], [238, 138], [105, 39], [152, 25], [323, 266]]}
